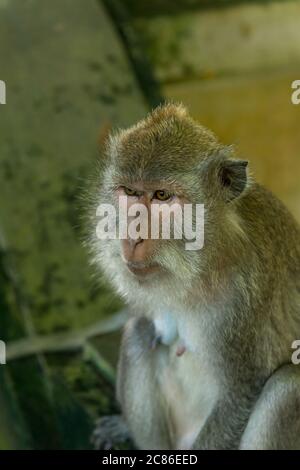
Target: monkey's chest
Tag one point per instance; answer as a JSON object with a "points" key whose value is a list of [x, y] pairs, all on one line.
{"points": [[187, 383]]}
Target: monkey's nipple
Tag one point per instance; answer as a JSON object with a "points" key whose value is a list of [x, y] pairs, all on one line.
{"points": [[180, 350]]}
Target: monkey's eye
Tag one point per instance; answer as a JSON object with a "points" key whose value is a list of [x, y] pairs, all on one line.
{"points": [[129, 191], [162, 195]]}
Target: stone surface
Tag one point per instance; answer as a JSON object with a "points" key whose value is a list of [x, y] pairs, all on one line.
{"points": [[224, 41], [67, 76]]}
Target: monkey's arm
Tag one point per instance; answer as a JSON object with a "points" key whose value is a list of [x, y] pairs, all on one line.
{"points": [[137, 390], [274, 423], [137, 342], [225, 424]]}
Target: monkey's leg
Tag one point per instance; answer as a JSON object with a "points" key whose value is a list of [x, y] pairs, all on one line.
{"points": [[275, 420], [137, 388]]}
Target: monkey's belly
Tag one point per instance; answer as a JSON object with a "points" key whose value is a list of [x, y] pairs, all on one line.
{"points": [[189, 392]]}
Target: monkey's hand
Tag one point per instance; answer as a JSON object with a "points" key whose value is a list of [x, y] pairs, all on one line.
{"points": [[110, 431]]}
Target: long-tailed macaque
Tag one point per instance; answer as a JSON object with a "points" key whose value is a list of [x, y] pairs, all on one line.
{"points": [[205, 359]]}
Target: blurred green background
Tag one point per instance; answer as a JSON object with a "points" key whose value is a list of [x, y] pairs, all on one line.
{"points": [[74, 68]]}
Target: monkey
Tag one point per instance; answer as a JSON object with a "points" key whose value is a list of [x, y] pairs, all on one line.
{"points": [[205, 358]]}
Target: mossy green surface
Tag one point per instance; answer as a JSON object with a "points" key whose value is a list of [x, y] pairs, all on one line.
{"points": [[67, 77], [138, 8]]}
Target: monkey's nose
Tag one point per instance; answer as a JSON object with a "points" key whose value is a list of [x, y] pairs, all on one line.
{"points": [[130, 253], [134, 242]]}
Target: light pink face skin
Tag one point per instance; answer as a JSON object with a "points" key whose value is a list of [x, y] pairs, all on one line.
{"points": [[138, 254]]}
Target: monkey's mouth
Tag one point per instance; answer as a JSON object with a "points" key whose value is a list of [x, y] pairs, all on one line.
{"points": [[142, 269]]}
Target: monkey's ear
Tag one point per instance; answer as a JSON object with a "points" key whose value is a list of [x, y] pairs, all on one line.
{"points": [[233, 177]]}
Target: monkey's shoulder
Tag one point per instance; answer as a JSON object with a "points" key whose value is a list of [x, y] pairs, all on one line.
{"points": [[268, 221]]}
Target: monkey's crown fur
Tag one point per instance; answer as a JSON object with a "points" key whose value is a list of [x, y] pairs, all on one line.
{"points": [[168, 138]]}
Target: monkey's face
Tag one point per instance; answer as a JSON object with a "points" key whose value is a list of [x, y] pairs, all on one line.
{"points": [[146, 254], [149, 211], [166, 160], [149, 247]]}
